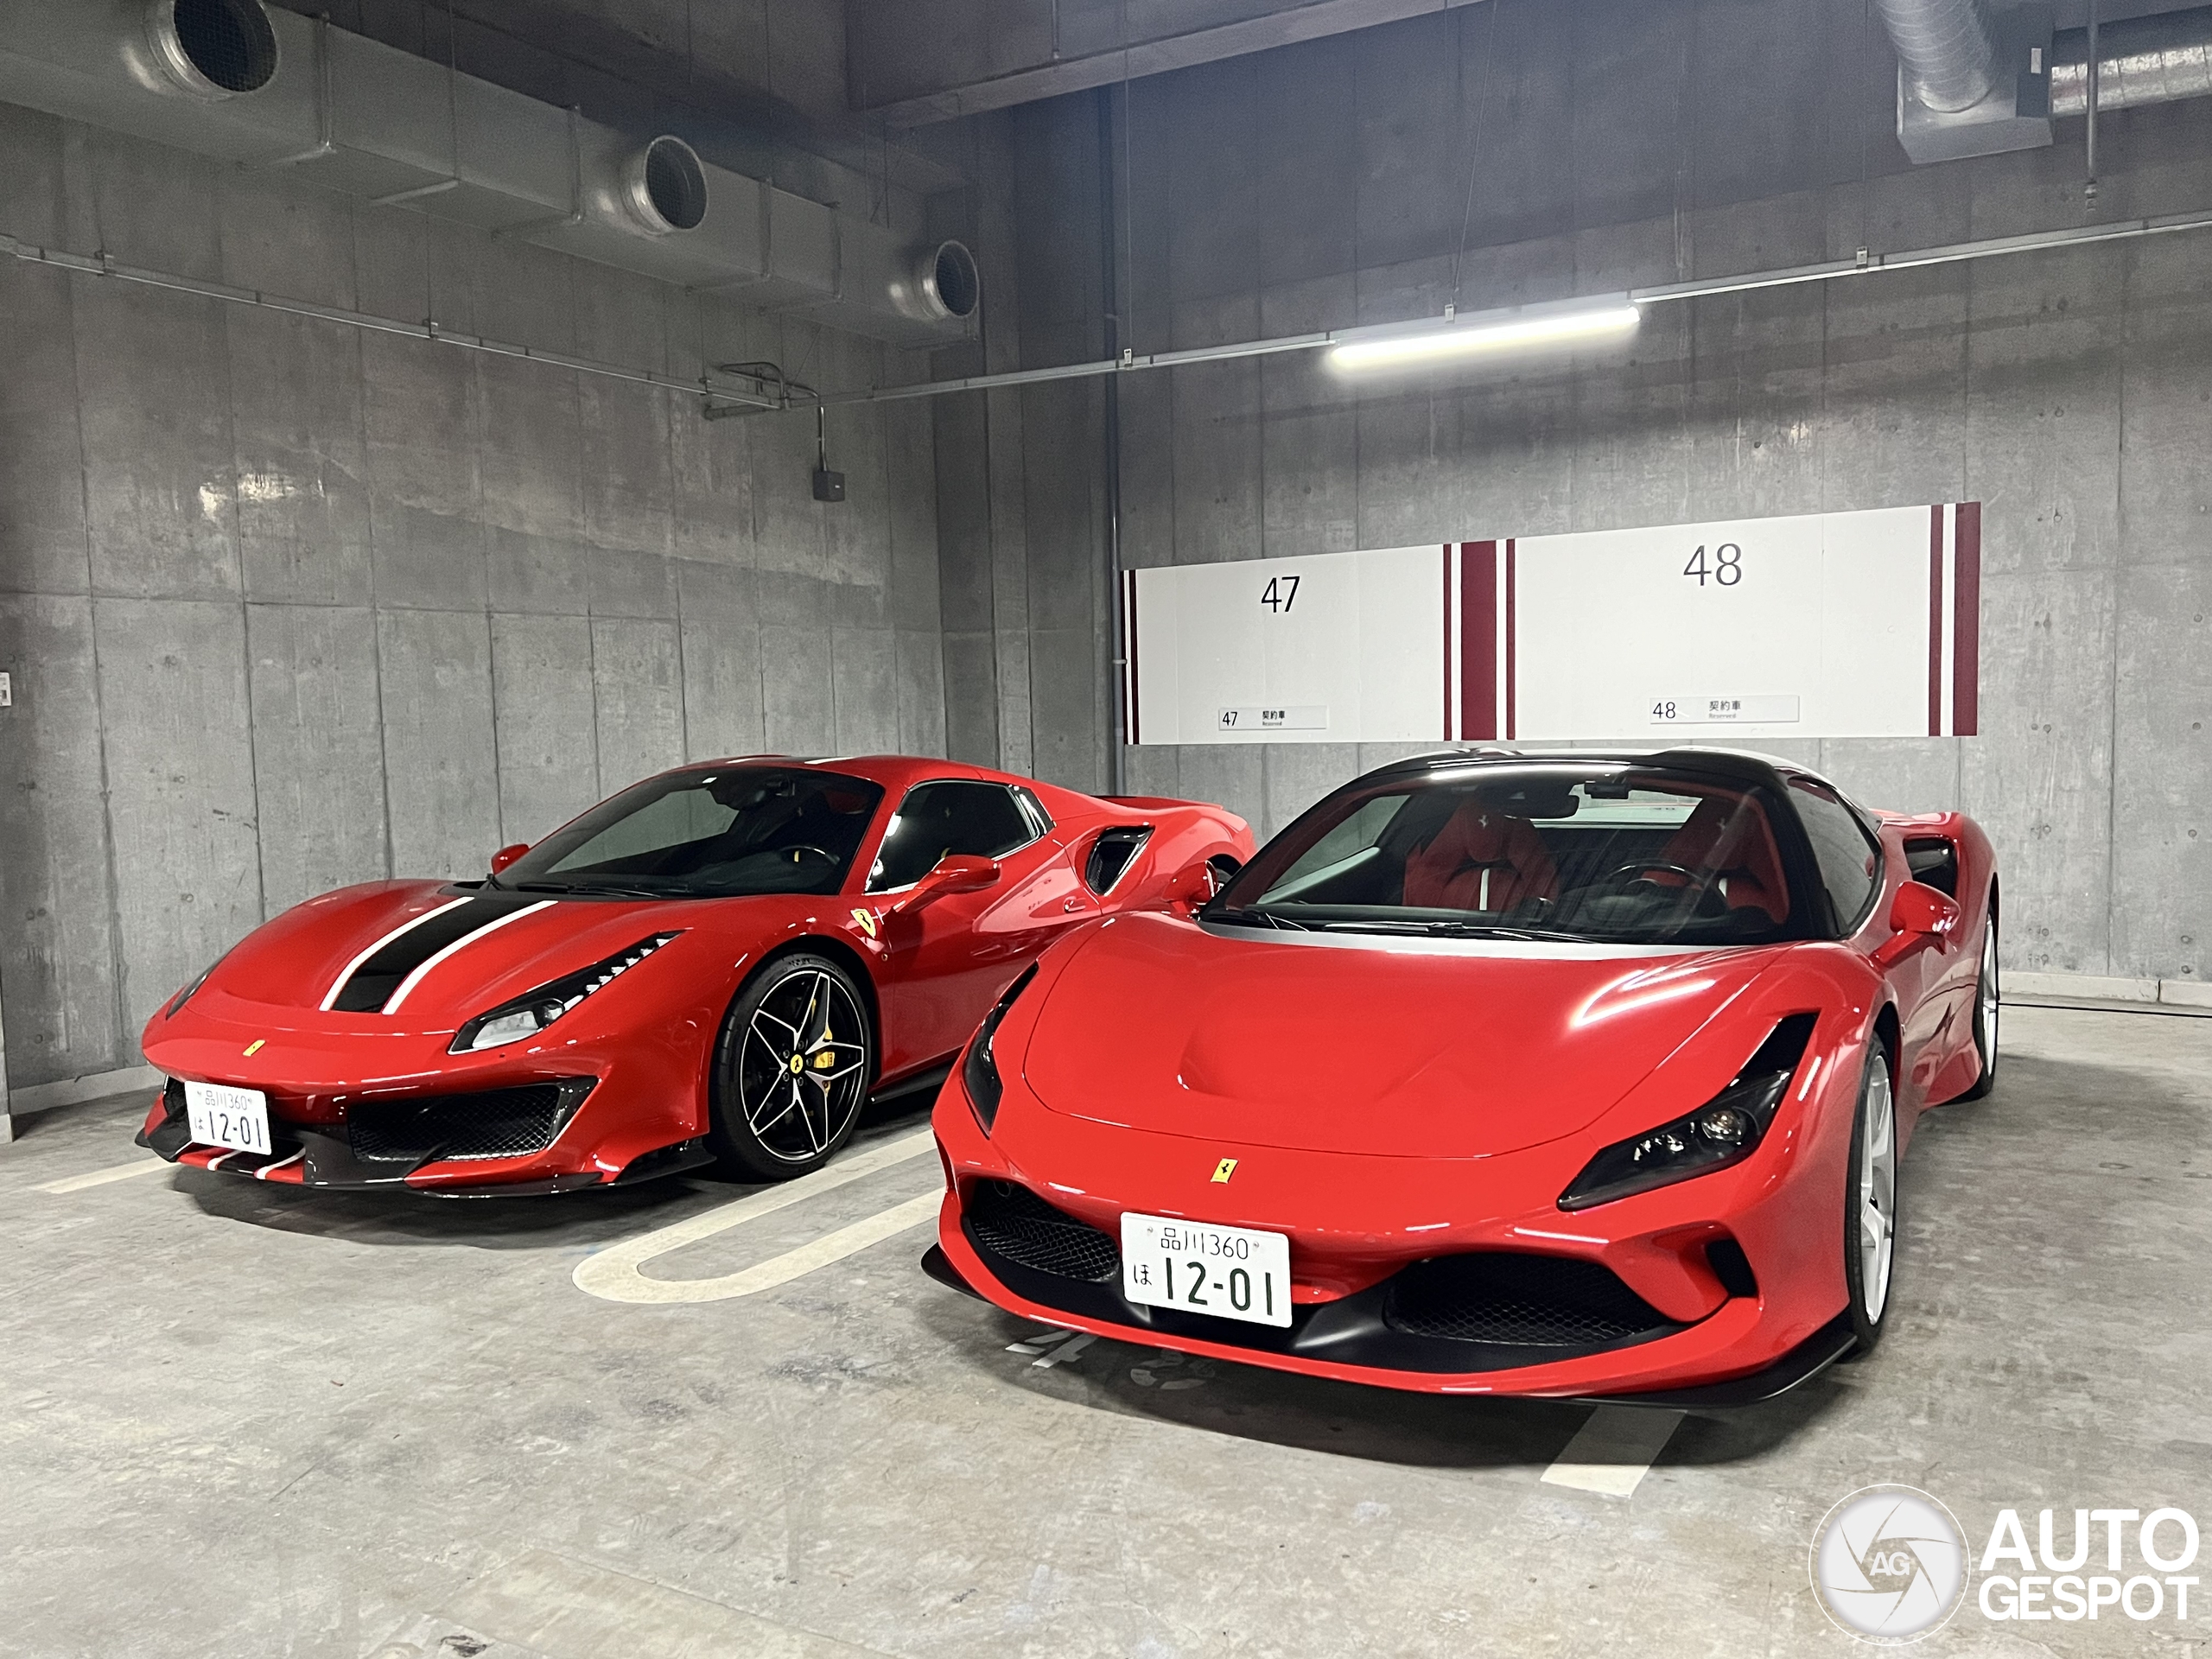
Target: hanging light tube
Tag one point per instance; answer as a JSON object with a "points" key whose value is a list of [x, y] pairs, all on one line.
{"points": [[1509, 328]]}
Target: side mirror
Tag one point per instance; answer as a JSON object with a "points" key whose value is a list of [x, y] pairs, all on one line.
{"points": [[954, 872], [1918, 915], [1197, 882], [507, 856]]}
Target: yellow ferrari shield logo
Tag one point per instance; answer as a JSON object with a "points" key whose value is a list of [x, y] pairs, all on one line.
{"points": [[867, 920], [256, 1046], [1225, 1169]]}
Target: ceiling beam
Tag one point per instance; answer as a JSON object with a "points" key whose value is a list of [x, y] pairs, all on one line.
{"points": [[909, 62]]}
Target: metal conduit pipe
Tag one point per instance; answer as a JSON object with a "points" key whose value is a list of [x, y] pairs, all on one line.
{"points": [[2154, 59], [1945, 47], [267, 88]]}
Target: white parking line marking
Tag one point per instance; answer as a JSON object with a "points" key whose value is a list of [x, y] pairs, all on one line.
{"points": [[1613, 1450], [102, 1177], [612, 1273], [777, 1269]]}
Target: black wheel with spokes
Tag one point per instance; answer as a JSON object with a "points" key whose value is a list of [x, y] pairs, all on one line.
{"points": [[792, 1069]]}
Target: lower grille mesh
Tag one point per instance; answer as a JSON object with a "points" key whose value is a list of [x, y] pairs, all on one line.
{"points": [[501, 1123], [1546, 1301], [1014, 1222]]}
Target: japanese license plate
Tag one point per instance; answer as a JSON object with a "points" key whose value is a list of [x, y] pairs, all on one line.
{"points": [[1232, 1273], [223, 1116]]}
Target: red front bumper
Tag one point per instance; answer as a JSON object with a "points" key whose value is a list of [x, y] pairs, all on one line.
{"points": [[1354, 1222]]}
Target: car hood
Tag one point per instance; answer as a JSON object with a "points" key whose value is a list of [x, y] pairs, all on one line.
{"points": [[1438, 1049], [484, 947]]}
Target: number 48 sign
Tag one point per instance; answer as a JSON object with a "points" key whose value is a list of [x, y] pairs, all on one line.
{"points": [[1726, 566]]}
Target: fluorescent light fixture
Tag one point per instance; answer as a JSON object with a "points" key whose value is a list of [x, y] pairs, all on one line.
{"points": [[1518, 328]]}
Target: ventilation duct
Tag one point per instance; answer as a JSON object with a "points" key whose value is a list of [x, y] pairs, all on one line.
{"points": [[1946, 54], [235, 80], [2153, 60], [1975, 80]]}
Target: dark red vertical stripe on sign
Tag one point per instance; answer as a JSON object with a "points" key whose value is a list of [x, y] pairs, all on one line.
{"points": [[1447, 642], [1129, 603], [1478, 639], [1935, 622], [1512, 690], [1966, 626]]}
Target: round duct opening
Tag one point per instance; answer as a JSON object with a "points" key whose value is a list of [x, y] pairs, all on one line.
{"points": [[950, 283], [213, 48], [665, 187]]}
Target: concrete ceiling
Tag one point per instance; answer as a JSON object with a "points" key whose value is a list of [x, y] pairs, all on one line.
{"points": [[914, 61]]}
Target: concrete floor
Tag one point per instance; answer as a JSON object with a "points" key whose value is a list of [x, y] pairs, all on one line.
{"points": [[244, 1420]]}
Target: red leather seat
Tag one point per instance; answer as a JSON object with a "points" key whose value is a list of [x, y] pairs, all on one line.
{"points": [[1733, 836], [1480, 860]]}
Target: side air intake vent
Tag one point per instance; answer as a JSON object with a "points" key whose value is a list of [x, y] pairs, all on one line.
{"points": [[1111, 855]]}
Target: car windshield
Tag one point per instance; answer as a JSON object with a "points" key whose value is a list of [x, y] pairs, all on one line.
{"points": [[707, 834], [1601, 851]]}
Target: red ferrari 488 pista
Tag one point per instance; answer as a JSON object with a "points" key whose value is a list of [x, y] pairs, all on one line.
{"points": [[1575, 1074], [723, 961]]}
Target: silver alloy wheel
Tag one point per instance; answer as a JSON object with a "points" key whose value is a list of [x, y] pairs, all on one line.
{"points": [[1878, 1189], [1986, 990], [803, 1072]]}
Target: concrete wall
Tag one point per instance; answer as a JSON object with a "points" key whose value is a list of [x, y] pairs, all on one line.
{"points": [[1614, 143], [290, 605]]}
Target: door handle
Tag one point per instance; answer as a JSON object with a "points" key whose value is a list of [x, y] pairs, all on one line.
{"points": [[1071, 906]]}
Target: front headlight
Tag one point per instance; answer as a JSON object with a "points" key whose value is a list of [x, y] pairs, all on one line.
{"points": [[980, 1073], [1724, 1131], [528, 1015]]}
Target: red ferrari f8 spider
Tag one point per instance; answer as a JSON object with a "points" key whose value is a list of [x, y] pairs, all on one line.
{"points": [[725, 960], [1575, 1074]]}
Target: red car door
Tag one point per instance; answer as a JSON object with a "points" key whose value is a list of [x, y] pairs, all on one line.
{"points": [[945, 963]]}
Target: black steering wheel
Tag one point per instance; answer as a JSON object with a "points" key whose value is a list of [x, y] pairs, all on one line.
{"points": [[808, 847]]}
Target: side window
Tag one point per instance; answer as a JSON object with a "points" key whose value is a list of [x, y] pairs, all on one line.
{"points": [[1851, 866], [984, 820]]}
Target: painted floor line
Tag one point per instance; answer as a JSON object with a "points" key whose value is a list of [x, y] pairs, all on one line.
{"points": [[1613, 1450], [613, 1273], [137, 1167], [780, 1270], [1067, 1349]]}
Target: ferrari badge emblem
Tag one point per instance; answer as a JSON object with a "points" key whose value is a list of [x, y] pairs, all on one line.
{"points": [[867, 920], [256, 1046], [1225, 1169]]}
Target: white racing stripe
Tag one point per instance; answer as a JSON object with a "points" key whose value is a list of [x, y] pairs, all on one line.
{"points": [[612, 1273], [136, 1167], [330, 998], [1613, 1450], [416, 978]]}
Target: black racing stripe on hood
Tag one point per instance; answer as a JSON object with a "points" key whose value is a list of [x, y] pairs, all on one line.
{"points": [[375, 980]]}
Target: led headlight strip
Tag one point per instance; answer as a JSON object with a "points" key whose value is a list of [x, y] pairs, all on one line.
{"points": [[980, 1073], [528, 1015], [1724, 1131]]}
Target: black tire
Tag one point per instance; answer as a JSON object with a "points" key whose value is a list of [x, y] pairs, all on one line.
{"points": [[793, 1068], [1987, 1001], [1871, 1285]]}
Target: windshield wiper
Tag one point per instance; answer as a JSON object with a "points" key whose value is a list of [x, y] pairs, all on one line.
{"points": [[592, 889], [1240, 916], [1454, 929]]}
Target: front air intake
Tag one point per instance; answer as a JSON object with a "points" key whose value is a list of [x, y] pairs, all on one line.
{"points": [[1011, 1222], [212, 48], [1513, 1299]]}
